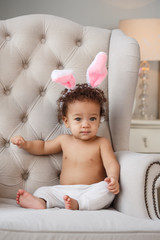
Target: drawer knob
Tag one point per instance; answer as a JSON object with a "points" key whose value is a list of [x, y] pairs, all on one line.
{"points": [[145, 142]]}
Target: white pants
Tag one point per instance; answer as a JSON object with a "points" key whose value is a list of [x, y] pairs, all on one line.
{"points": [[90, 197]]}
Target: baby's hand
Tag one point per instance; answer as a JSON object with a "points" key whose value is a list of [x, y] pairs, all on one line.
{"points": [[113, 185], [18, 140]]}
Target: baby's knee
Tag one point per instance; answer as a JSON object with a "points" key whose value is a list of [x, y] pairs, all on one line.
{"points": [[103, 185]]}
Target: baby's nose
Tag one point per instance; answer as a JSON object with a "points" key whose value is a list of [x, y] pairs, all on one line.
{"points": [[85, 123]]}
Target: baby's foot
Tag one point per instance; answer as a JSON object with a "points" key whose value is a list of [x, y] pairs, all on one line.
{"points": [[27, 200], [70, 203]]}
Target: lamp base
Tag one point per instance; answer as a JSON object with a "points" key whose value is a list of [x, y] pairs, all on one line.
{"points": [[144, 76]]}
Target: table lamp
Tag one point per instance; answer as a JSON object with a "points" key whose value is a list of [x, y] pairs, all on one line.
{"points": [[147, 34]]}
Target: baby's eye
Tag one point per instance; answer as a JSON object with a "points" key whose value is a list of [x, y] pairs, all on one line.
{"points": [[78, 119], [92, 118]]}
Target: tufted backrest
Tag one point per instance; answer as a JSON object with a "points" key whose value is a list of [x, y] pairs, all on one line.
{"points": [[31, 47]]}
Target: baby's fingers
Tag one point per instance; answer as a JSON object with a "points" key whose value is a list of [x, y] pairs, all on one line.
{"points": [[116, 191], [113, 189], [13, 140], [17, 141]]}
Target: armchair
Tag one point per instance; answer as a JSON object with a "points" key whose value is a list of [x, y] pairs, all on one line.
{"points": [[31, 47]]}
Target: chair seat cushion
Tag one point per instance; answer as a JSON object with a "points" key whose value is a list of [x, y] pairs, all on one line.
{"points": [[26, 224]]}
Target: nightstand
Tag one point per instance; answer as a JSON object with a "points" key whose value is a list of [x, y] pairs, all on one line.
{"points": [[145, 136]]}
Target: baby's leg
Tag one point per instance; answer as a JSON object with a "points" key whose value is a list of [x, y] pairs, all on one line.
{"points": [[53, 196], [70, 203], [97, 196], [27, 200]]}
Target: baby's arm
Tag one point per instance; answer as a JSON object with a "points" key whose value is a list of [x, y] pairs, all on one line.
{"points": [[38, 147], [111, 165]]}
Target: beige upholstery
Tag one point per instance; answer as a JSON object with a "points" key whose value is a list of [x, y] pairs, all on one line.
{"points": [[31, 47]]}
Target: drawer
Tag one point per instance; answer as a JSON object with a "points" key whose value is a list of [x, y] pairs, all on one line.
{"points": [[145, 140]]}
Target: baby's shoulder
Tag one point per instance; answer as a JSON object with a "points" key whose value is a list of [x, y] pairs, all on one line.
{"points": [[103, 141], [65, 137]]}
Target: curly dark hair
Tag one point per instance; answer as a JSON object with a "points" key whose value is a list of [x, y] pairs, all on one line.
{"points": [[81, 92]]}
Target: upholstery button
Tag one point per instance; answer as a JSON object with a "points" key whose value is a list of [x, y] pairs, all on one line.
{"points": [[24, 119], [79, 43], [8, 37], [7, 91], [42, 93], [60, 67], [25, 175], [43, 40], [25, 65], [7, 144]]}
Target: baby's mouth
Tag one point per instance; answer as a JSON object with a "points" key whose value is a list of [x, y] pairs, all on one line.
{"points": [[85, 132]]}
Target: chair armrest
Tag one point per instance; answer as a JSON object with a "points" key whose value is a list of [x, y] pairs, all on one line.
{"points": [[140, 185]]}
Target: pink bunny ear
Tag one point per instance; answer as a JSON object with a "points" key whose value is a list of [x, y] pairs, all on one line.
{"points": [[64, 77], [97, 71]]}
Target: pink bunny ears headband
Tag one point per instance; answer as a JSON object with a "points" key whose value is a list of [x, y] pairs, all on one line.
{"points": [[96, 73]]}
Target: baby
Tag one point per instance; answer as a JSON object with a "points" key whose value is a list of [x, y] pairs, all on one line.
{"points": [[89, 177]]}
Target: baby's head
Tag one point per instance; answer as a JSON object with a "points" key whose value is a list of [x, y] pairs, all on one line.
{"points": [[87, 92], [81, 92]]}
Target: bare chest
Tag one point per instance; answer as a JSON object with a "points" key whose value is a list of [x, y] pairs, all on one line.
{"points": [[82, 164], [82, 154]]}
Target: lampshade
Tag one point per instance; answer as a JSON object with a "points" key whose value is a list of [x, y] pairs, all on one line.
{"points": [[147, 33]]}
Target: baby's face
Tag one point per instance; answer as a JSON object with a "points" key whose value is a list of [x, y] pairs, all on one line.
{"points": [[83, 119]]}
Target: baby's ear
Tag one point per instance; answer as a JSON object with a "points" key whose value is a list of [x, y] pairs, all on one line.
{"points": [[65, 121]]}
